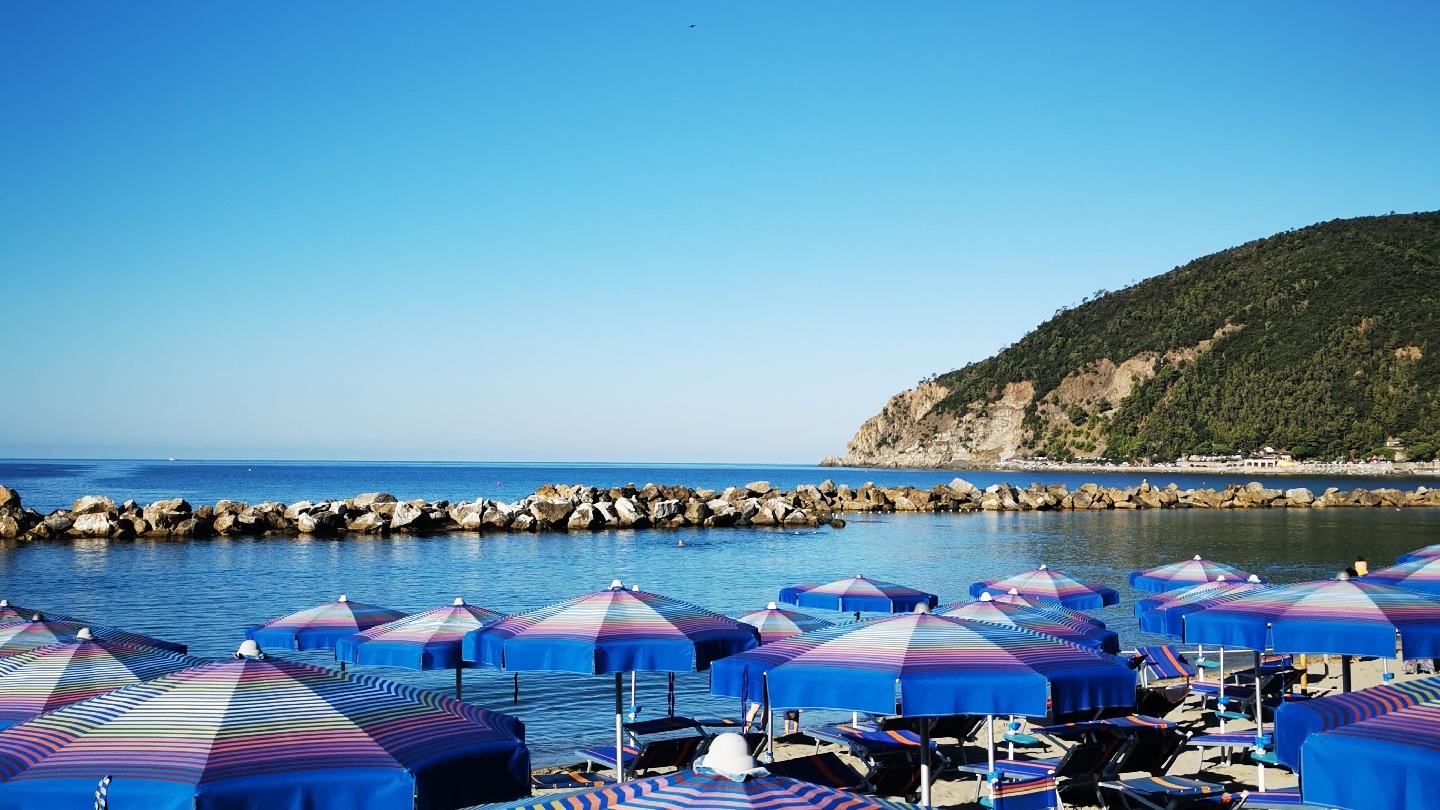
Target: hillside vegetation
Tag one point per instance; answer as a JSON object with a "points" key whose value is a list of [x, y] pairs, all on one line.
{"points": [[1324, 341]]}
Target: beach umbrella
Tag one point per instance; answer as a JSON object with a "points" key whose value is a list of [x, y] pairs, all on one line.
{"points": [[1296, 720], [1392, 760], [1047, 583], [46, 678], [1422, 574], [1426, 553], [256, 734], [19, 635], [427, 640], [923, 665], [988, 609], [1165, 613], [1013, 597], [1339, 616], [775, 623], [858, 594], [320, 627], [613, 631], [10, 613], [1183, 574]]}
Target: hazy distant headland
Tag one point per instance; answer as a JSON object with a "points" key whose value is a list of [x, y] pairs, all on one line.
{"points": [[1322, 344]]}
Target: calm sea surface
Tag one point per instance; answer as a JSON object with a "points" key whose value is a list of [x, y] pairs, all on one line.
{"points": [[205, 592]]}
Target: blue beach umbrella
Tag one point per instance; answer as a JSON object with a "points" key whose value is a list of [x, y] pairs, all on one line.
{"points": [[1164, 615], [988, 609], [1048, 584], [1392, 760], [858, 594], [613, 631], [1426, 553], [427, 640], [923, 666], [320, 627], [1421, 574], [1183, 574], [775, 623]]}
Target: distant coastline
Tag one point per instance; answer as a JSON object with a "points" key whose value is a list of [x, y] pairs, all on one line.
{"points": [[1382, 469]]}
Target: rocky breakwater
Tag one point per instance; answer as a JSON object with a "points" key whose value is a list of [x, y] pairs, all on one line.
{"points": [[558, 508]]}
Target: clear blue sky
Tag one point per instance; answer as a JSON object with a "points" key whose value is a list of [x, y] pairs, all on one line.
{"points": [[588, 231]]}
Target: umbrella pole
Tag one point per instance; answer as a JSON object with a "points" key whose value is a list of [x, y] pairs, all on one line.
{"points": [[924, 762], [619, 727], [457, 683], [1344, 673], [1259, 709], [1200, 662], [769, 720], [670, 694], [990, 742], [1221, 703], [632, 695], [516, 698]]}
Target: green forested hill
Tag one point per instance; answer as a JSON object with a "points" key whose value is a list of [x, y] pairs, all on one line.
{"points": [[1337, 348]]}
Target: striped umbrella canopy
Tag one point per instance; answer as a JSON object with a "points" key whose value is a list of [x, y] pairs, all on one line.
{"points": [[988, 609], [775, 622], [1013, 597], [1047, 583], [1339, 616], [46, 678], [1183, 574], [10, 613], [1392, 760], [858, 594], [250, 734], [26, 634], [1426, 553], [1165, 614], [1422, 574], [611, 631], [320, 627], [427, 640], [1296, 720], [701, 789], [940, 666]]}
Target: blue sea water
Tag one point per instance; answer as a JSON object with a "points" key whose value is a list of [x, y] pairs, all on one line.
{"points": [[204, 592]]}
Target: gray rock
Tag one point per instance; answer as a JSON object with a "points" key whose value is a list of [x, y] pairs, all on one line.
{"points": [[550, 513], [93, 504], [408, 515], [9, 498], [94, 524], [1300, 495], [294, 510], [523, 522], [628, 512], [56, 525], [585, 517], [367, 523], [225, 523], [9, 524], [166, 514], [666, 509], [759, 488], [365, 500]]}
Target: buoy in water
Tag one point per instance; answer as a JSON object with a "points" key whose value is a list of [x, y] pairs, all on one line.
{"points": [[680, 543]]}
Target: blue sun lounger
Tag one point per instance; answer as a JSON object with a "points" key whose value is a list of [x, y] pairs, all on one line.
{"points": [[1174, 793]]}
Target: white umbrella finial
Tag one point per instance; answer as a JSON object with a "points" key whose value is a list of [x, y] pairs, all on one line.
{"points": [[1220, 578], [616, 585], [343, 599], [84, 634], [458, 601], [250, 649], [986, 597], [772, 606], [922, 608], [1255, 578], [1196, 557], [1013, 592], [1044, 567]]}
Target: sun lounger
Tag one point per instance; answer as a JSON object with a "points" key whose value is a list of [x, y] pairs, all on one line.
{"points": [[671, 752], [1028, 794], [573, 779], [825, 768], [1173, 793], [1165, 663]]}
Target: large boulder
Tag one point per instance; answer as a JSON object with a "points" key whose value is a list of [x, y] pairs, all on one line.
{"points": [[191, 527], [225, 523], [55, 526], [759, 488], [94, 524], [550, 513], [366, 523], [584, 517], [630, 513], [963, 489], [9, 524], [167, 514], [294, 510], [9, 498], [1300, 496], [497, 515], [365, 500], [696, 511], [92, 505], [408, 515], [666, 509]]}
